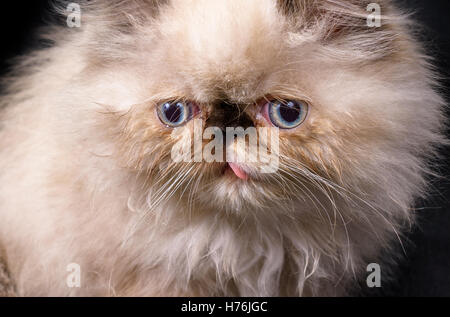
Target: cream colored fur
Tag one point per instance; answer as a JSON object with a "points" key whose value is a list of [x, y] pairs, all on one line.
{"points": [[85, 169]]}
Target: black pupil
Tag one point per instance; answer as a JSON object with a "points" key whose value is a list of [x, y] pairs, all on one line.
{"points": [[290, 111], [173, 111]]}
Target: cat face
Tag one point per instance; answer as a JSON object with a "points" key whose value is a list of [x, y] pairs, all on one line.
{"points": [[353, 88]]}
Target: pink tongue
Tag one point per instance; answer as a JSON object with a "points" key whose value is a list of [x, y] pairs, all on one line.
{"points": [[238, 171]]}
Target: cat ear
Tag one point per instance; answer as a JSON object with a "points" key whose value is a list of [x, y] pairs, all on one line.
{"points": [[121, 11], [370, 29], [303, 7], [109, 25], [335, 13]]}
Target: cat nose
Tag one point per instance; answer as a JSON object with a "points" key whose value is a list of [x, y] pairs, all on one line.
{"points": [[240, 120], [233, 115]]}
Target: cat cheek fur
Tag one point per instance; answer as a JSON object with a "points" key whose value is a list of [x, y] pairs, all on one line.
{"points": [[86, 149]]}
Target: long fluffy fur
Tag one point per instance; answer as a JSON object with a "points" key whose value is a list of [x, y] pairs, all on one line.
{"points": [[85, 164]]}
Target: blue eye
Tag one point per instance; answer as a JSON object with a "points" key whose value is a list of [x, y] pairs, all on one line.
{"points": [[175, 113], [287, 114]]}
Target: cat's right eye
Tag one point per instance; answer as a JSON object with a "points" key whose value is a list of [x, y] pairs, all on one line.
{"points": [[176, 113]]}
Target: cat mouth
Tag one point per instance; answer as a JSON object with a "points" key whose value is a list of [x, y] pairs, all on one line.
{"points": [[237, 171]]}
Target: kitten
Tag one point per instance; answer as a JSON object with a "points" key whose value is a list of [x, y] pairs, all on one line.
{"points": [[88, 128]]}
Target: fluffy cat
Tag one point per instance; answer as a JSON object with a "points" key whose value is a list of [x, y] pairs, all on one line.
{"points": [[87, 175]]}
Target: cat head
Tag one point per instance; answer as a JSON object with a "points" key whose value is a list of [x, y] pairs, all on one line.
{"points": [[344, 82]]}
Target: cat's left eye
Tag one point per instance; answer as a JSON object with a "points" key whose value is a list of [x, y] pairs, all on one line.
{"points": [[176, 113], [287, 114]]}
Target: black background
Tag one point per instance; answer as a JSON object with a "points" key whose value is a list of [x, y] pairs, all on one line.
{"points": [[426, 270]]}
